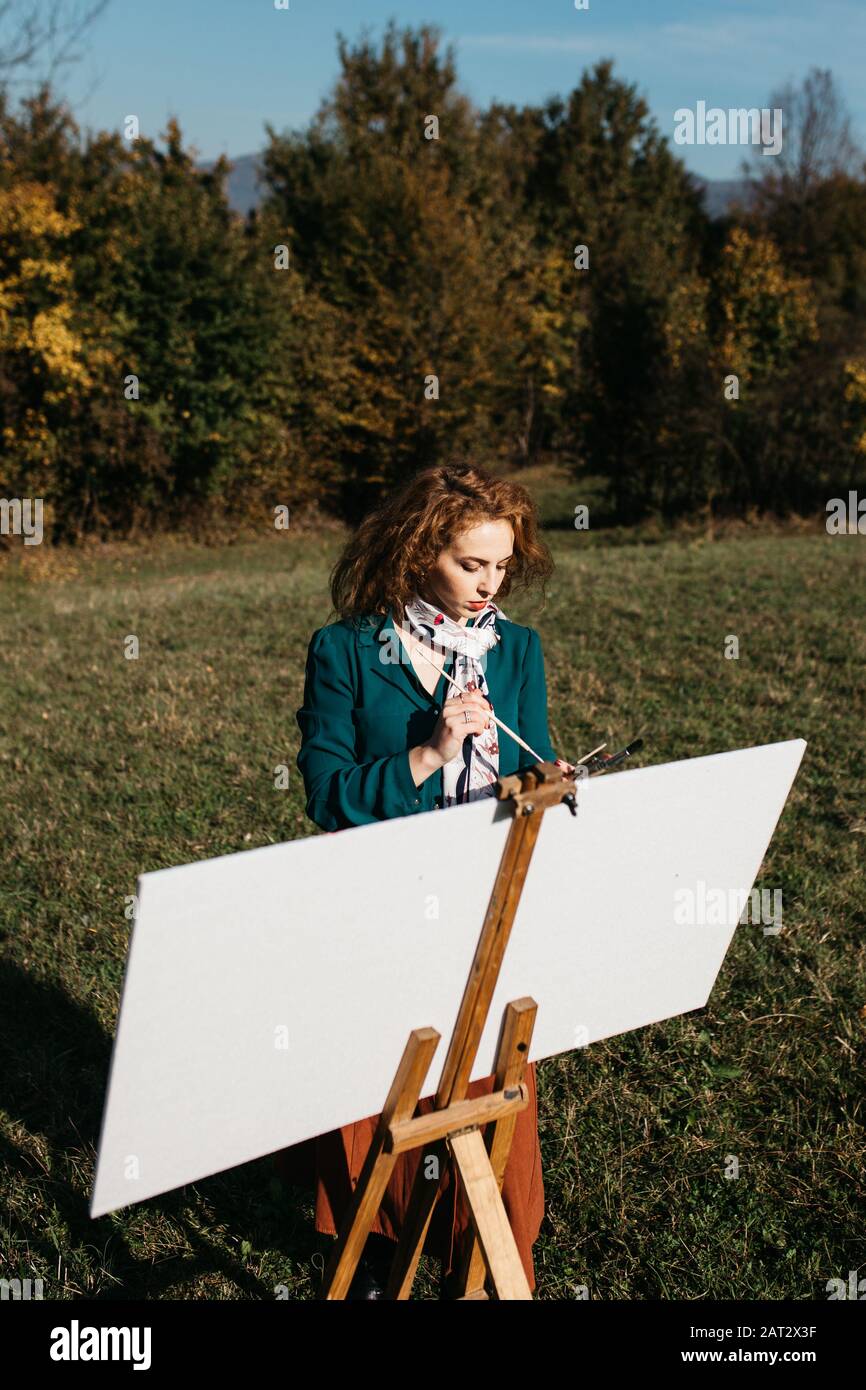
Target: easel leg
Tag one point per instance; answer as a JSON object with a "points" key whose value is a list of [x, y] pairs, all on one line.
{"points": [[489, 1218], [518, 1025], [519, 1021], [378, 1165], [415, 1223]]}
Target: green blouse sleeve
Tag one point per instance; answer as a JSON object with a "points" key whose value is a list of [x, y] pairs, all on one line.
{"points": [[340, 791], [532, 706]]}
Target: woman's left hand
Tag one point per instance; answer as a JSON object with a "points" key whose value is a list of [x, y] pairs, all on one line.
{"points": [[568, 768]]}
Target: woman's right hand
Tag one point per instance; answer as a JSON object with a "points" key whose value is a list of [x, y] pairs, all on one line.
{"points": [[452, 725]]}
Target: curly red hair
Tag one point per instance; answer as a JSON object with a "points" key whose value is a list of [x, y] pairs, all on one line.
{"points": [[396, 543]]}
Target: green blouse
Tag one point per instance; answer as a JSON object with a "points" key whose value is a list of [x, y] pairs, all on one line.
{"points": [[365, 708]]}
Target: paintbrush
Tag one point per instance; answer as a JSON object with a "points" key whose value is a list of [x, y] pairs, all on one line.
{"points": [[498, 722]]}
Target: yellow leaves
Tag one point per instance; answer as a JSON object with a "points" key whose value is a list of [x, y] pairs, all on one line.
{"points": [[17, 289], [50, 340], [27, 211], [854, 393], [56, 273], [32, 442], [855, 388], [686, 316], [768, 311], [34, 266]]}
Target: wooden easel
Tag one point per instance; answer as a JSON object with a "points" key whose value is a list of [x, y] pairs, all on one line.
{"points": [[454, 1126]]}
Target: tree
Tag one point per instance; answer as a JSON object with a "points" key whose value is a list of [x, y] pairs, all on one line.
{"points": [[606, 179], [41, 352], [764, 314], [25, 36], [816, 145], [382, 224], [123, 266]]}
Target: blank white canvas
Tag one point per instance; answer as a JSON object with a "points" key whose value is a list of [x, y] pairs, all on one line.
{"points": [[343, 944]]}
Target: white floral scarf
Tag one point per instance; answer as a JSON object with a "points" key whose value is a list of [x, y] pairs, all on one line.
{"points": [[471, 774]]}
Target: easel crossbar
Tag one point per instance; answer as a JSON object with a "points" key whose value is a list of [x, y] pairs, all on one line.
{"points": [[459, 1116]]}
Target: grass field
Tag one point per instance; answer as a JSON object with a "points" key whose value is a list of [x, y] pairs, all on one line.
{"points": [[112, 767]]}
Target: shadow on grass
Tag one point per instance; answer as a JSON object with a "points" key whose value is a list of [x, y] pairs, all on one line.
{"points": [[55, 1059]]}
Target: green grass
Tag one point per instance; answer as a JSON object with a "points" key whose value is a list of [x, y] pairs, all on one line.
{"points": [[112, 767]]}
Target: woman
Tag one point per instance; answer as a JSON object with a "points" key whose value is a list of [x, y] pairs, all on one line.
{"points": [[383, 735]]}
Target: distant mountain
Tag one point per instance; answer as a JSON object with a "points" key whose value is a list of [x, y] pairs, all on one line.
{"points": [[721, 194], [244, 191], [242, 185]]}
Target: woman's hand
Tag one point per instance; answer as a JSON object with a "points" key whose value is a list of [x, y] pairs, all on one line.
{"points": [[452, 725], [568, 768]]}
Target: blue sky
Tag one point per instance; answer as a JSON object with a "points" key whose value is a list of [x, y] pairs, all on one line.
{"points": [[223, 67]]}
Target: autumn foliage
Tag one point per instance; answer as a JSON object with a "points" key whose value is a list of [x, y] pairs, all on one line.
{"points": [[421, 281]]}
